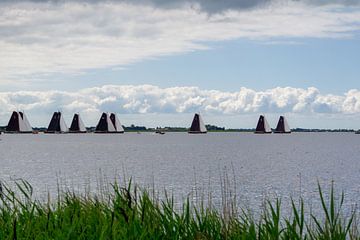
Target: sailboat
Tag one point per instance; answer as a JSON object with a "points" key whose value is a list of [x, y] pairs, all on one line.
{"points": [[18, 123], [77, 125], [263, 125], [57, 124], [116, 122], [282, 126], [197, 125], [105, 125]]}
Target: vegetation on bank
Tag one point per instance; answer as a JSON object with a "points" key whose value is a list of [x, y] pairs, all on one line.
{"points": [[131, 213], [210, 128]]}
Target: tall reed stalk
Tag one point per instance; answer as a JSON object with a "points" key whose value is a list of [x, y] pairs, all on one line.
{"points": [[128, 212]]}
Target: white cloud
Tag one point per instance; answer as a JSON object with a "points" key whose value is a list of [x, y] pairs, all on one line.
{"points": [[38, 38], [147, 99]]}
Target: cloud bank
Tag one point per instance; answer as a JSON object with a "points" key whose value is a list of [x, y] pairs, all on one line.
{"points": [[210, 6], [148, 99], [40, 38]]}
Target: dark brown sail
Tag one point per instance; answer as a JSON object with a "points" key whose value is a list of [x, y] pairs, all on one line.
{"points": [[54, 125], [57, 124], [262, 125], [14, 123], [105, 125], [282, 126], [197, 125], [77, 126], [18, 123]]}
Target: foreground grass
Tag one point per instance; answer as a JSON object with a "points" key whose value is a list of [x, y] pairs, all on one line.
{"points": [[130, 213]]}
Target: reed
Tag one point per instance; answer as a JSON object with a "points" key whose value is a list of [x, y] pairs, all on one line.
{"points": [[129, 212]]}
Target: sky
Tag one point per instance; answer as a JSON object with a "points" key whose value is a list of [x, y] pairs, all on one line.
{"points": [[157, 62]]}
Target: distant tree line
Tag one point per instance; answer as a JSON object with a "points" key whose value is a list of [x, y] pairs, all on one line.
{"points": [[134, 128], [214, 128], [321, 130]]}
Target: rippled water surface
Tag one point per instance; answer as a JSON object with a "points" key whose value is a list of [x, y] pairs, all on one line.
{"points": [[261, 165]]}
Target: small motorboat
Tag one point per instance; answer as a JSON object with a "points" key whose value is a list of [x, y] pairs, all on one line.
{"points": [[159, 132]]}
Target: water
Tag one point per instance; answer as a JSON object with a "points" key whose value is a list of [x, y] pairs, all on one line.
{"points": [[258, 165]]}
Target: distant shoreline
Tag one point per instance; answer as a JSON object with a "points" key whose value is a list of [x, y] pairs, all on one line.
{"points": [[210, 129]]}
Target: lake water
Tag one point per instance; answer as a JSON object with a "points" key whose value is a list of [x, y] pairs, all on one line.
{"points": [[258, 165]]}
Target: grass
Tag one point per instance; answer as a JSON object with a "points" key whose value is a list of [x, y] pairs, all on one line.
{"points": [[128, 212]]}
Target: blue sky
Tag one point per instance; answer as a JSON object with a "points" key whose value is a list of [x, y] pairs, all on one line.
{"points": [[331, 65], [165, 61]]}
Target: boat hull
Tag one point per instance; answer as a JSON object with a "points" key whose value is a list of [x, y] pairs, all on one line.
{"points": [[55, 132], [98, 132], [10, 132]]}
